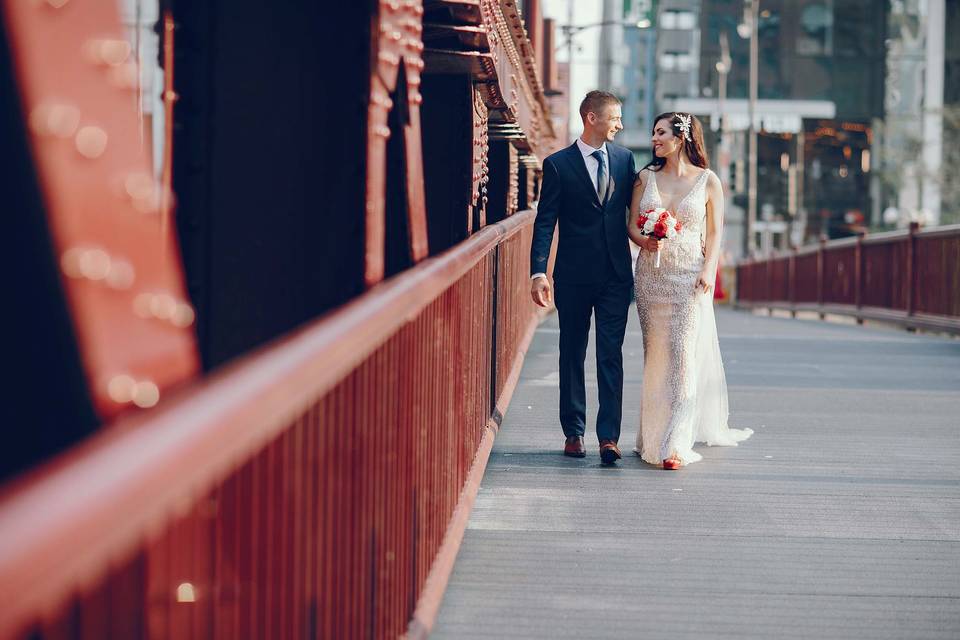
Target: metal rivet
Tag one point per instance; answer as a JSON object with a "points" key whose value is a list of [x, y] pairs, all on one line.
{"points": [[93, 264], [121, 275], [146, 394], [163, 306], [91, 142], [141, 305], [60, 120], [184, 315], [110, 52], [143, 191], [70, 262], [121, 388]]}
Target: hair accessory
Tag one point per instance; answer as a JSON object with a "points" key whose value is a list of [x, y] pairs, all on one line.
{"points": [[685, 125]]}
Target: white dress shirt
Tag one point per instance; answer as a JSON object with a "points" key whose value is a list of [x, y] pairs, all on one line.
{"points": [[593, 166]]}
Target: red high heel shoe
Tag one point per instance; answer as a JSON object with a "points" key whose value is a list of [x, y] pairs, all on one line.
{"points": [[672, 464]]}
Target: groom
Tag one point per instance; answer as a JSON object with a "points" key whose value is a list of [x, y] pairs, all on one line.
{"points": [[586, 188]]}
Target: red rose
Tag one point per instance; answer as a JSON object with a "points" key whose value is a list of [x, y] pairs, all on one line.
{"points": [[679, 226], [642, 220], [650, 210], [660, 229], [664, 216]]}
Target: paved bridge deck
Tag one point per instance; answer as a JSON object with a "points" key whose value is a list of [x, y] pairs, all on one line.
{"points": [[839, 518]]}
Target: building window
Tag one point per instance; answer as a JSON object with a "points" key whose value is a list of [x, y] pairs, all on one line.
{"points": [[682, 20], [676, 61]]}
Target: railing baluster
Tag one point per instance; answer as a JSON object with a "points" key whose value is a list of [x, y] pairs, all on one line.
{"points": [[792, 281], [858, 277], [821, 274], [910, 268]]}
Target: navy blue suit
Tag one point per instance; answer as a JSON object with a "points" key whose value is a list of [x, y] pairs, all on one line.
{"points": [[592, 276]]}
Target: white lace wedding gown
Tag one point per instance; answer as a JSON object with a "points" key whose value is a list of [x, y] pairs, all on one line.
{"points": [[684, 396]]}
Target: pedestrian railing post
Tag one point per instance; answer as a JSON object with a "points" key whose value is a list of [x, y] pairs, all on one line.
{"points": [[821, 274], [911, 268], [858, 276], [792, 281], [767, 278]]}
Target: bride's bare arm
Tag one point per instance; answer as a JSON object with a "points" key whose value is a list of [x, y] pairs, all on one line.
{"points": [[714, 231], [632, 231]]}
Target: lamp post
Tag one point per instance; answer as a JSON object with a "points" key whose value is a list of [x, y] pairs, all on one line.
{"points": [[751, 11], [723, 66]]}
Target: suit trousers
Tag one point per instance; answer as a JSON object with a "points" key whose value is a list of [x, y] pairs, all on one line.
{"points": [[609, 303]]}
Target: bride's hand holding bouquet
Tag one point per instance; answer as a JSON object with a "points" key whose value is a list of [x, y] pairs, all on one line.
{"points": [[659, 224]]}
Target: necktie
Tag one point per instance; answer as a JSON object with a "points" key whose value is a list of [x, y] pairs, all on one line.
{"points": [[602, 178]]}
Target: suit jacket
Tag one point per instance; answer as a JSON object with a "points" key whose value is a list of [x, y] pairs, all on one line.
{"points": [[593, 243]]}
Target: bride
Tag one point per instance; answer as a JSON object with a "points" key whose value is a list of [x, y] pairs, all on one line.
{"points": [[684, 398]]}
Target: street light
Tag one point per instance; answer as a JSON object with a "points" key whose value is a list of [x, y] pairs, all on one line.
{"points": [[751, 11], [723, 66]]}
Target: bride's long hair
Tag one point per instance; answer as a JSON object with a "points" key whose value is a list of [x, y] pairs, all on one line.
{"points": [[694, 147]]}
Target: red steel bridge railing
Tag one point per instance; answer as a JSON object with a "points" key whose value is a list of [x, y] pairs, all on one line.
{"points": [[909, 277], [306, 490]]}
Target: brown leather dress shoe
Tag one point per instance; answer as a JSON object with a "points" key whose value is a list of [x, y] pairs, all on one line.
{"points": [[609, 453], [574, 447]]}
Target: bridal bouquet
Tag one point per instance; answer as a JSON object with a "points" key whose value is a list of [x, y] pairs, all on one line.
{"points": [[660, 224]]}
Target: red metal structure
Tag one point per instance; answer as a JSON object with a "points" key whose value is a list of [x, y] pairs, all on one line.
{"points": [[317, 484], [911, 278]]}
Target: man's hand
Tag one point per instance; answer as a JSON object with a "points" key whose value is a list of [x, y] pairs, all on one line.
{"points": [[541, 292]]}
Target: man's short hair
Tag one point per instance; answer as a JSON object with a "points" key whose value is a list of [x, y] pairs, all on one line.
{"points": [[595, 101]]}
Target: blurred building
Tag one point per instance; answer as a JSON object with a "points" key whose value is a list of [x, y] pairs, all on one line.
{"points": [[820, 90], [857, 109], [558, 99], [678, 50], [919, 134], [951, 118]]}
